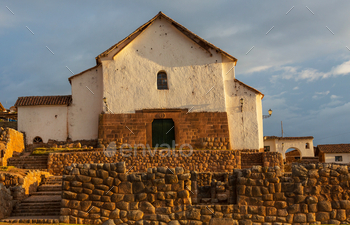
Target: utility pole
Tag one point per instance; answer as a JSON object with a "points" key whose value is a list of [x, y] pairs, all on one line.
{"points": [[282, 128]]}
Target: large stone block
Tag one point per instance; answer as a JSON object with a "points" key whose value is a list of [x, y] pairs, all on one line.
{"points": [[147, 207], [135, 215], [300, 218], [222, 221], [125, 188], [324, 206]]}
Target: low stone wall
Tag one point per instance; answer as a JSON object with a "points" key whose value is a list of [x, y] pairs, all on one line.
{"points": [[266, 159], [10, 141], [312, 193], [12, 125], [10, 180], [6, 202], [139, 161], [32, 180], [95, 193]]}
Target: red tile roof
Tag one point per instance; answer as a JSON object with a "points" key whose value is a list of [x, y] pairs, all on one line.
{"points": [[335, 148], [44, 100], [287, 138]]}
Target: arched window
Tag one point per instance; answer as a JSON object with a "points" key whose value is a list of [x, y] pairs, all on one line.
{"points": [[307, 146], [162, 81], [37, 140]]}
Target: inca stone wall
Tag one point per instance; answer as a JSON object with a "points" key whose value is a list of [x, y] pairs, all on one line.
{"points": [[10, 141], [312, 194], [139, 161]]}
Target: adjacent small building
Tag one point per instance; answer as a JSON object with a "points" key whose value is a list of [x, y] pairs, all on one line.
{"points": [[304, 145], [334, 153]]}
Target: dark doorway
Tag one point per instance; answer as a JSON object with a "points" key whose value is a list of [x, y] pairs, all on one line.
{"points": [[163, 132]]}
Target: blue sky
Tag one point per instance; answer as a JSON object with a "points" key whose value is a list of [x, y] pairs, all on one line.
{"points": [[299, 57]]}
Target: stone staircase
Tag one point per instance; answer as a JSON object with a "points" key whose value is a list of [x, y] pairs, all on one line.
{"points": [[42, 206], [29, 162]]}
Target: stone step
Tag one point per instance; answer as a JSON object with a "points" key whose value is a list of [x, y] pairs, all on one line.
{"points": [[37, 214], [42, 199], [31, 219], [50, 188], [36, 210], [38, 206], [47, 193]]}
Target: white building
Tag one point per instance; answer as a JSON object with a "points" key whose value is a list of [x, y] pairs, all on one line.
{"points": [[160, 77], [304, 145], [334, 153]]}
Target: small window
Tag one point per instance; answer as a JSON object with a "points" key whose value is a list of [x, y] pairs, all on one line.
{"points": [[307, 146], [266, 148], [37, 140], [338, 158], [162, 81]]}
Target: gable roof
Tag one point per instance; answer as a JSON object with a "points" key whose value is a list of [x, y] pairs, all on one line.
{"points": [[44, 100], [200, 41], [334, 148], [249, 87], [2, 108]]}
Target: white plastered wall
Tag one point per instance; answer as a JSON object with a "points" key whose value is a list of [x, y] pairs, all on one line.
{"points": [[194, 77], [282, 145], [86, 105], [245, 125], [330, 157], [47, 122]]}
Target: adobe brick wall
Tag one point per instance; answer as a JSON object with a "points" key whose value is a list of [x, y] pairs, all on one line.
{"points": [[200, 129]]}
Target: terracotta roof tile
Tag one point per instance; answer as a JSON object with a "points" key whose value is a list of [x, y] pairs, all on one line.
{"points": [[287, 138], [44, 100], [334, 148]]}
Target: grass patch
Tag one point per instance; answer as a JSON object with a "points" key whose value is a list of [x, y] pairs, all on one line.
{"points": [[6, 168]]}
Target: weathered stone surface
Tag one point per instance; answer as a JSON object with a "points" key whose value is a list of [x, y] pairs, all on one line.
{"points": [[138, 187], [109, 205], [194, 214], [108, 222], [69, 195], [83, 179], [324, 206], [183, 194], [163, 218], [125, 188], [147, 207], [299, 171], [122, 205], [322, 216], [135, 215], [82, 197]]}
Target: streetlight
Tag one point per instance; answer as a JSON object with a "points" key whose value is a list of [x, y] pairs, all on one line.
{"points": [[267, 116]]}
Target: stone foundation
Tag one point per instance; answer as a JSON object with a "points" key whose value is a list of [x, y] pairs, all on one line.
{"points": [[10, 141], [312, 194]]}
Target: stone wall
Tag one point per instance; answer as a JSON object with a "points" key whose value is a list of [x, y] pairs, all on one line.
{"points": [[199, 129], [139, 161], [95, 193], [12, 125], [10, 141], [312, 193], [9, 179], [266, 159], [6, 202]]}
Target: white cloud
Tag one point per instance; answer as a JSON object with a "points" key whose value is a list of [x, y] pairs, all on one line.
{"points": [[310, 74], [342, 69], [296, 88], [320, 94], [258, 69]]}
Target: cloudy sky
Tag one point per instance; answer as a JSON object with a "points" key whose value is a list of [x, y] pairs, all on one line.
{"points": [[295, 52]]}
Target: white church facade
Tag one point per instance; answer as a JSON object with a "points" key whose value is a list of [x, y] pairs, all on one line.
{"points": [[162, 83]]}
